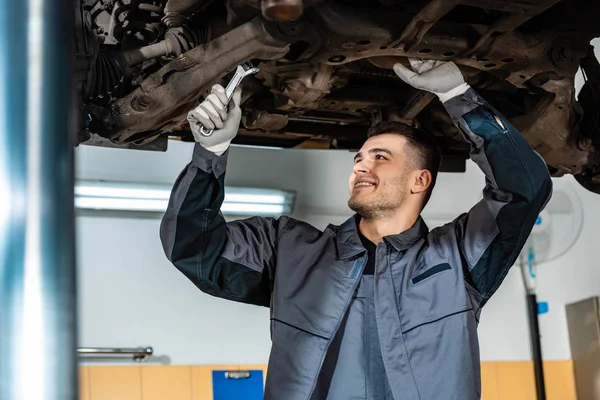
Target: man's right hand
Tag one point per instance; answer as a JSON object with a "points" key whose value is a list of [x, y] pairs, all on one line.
{"points": [[213, 113]]}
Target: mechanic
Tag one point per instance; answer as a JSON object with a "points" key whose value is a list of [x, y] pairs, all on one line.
{"points": [[379, 307]]}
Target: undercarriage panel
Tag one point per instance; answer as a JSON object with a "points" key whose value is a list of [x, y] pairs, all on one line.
{"points": [[326, 75]]}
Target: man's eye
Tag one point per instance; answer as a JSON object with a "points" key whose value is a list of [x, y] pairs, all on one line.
{"points": [[379, 157]]}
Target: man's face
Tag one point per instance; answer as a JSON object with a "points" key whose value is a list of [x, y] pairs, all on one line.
{"points": [[379, 179]]}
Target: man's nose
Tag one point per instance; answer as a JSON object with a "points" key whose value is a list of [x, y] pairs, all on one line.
{"points": [[362, 167]]}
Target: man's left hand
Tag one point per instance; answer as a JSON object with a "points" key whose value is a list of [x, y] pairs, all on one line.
{"points": [[443, 78]]}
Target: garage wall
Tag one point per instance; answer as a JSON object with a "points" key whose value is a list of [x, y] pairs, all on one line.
{"points": [[130, 295]]}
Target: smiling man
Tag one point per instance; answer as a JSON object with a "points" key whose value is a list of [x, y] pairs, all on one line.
{"points": [[381, 307]]}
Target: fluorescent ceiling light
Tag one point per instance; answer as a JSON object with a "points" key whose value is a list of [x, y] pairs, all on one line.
{"points": [[126, 196]]}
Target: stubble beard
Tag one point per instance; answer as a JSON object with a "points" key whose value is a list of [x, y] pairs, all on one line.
{"points": [[378, 206]]}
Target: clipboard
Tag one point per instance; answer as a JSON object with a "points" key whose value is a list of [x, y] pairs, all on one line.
{"points": [[238, 385]]}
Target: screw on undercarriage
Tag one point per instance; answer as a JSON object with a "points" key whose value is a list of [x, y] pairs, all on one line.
{"points": [[584, 143], [337, 59], [141, 103]]}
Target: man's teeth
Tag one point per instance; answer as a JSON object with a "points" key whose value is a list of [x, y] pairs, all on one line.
{"points": [[363, 184]]}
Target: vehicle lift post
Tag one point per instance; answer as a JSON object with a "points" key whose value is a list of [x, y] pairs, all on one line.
{"points": [[38, 358]]}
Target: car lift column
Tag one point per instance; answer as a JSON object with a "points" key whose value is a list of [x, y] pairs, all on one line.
{"points": [[37, 258]]}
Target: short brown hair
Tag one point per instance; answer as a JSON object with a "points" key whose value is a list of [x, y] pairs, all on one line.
{"points": [[424, 152]]}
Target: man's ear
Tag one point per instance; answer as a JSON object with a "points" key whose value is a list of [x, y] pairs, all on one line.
{"points": [[421, 181]]}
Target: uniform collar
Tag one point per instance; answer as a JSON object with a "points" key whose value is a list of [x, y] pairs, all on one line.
{"points": [[349, 244], [347, 239], [406, 239]]}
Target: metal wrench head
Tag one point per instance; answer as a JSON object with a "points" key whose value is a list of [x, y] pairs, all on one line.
{"points": [[248, 68], [241, 72]]}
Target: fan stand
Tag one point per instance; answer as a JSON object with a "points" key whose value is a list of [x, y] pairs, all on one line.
{"points": [[534, 329], [547, 242]]}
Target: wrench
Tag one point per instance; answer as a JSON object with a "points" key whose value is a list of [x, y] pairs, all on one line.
{"points": [[241, 72]]}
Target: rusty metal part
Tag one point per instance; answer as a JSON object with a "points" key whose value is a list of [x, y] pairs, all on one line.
{"points": [[177, 11], [439, 120], [177, 41], [177, 86], [517, 13], [282, 10], [584, 144], [184, 7], [260, 119], [257, 4], [306, 87], [506, 25], [550, 127], [416, 104], [124, 23], [354, 35], [362, 101], [418, 27], [297, 85]]}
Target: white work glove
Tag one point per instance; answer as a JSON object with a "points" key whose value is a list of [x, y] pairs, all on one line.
{"points": [[442, 78], [213, 113]]}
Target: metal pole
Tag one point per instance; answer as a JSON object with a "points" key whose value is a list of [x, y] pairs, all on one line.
{"points": [[536, 346], [37, 260], [528, 267]]}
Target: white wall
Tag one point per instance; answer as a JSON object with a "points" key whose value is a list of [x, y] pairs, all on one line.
{"points": [[130, 295]]}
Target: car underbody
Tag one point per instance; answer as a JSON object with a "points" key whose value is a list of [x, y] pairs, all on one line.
{"points": [[326, 71]]}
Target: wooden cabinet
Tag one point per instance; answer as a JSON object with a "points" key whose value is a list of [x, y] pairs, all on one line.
{"points": [[499, 381], [489, 381], [167, 382], [84, 383], [560, 381], [515, 380], [115, 383]]}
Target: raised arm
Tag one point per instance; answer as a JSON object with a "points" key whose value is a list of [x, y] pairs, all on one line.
{"points": [[232, 260], [517, 183], [517, 188]]}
